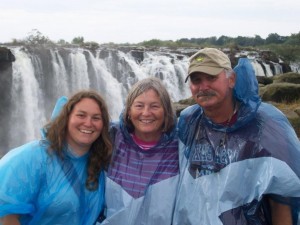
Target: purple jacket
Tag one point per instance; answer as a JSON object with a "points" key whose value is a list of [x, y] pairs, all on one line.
{"points": [[141, 184]]}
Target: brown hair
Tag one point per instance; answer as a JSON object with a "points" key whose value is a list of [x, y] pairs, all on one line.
{"points": [[100, 151]]}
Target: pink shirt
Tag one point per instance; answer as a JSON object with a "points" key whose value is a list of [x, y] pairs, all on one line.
{"points": [[145, 145]]}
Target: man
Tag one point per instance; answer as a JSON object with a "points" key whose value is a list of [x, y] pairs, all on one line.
{"points": [[239, 156]]}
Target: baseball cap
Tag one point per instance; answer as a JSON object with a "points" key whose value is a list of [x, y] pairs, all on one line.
{"points": [[208, 60]]}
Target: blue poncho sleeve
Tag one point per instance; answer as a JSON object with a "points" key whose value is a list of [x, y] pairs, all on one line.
{"points": [[21, 172]]}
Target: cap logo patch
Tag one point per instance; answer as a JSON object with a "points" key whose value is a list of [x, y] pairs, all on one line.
{"points": [[199, 59]]}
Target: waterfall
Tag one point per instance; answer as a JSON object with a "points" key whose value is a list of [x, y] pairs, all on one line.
{"points": [[27, 111], [257, 68], [59, 72], [277, 68], [40, 76], [268, 70], [295, 67], [166, 69], [79, 70], [108, 86], [264, 69]]}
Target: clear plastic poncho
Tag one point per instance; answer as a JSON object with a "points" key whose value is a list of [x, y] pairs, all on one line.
{"points": [[228, 173], [43, 189], [141, 184]]}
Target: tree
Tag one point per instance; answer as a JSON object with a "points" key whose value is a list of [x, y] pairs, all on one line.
{"points": [[212, 40], [62, 42], [258, 41], [91, 44], [36, 37], [294, 39], [223, 40], [242, 41], [274, 38], [78, 41]]}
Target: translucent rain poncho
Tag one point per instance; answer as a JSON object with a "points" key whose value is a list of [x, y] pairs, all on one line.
{"points": [[45, 190], [227, 172], [141, 184]]}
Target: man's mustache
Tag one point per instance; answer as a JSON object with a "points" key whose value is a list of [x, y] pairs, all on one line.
{"points": [[205, 94]]}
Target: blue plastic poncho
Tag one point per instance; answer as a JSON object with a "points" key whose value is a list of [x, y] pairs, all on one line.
{"points": [[141, 184], [44, 189], [229, 183]]}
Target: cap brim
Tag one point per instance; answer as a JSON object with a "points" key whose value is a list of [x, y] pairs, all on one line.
{"points": [[213, 71]]}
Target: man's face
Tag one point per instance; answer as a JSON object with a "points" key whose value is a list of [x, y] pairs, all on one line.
{"points": [[211, 92]]}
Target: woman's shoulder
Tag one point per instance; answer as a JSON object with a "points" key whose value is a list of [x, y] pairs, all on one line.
{"points": [[28, 160], [29, 152]]}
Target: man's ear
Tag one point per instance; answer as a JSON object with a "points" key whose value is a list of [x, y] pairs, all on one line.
{"points": [[232, 80]]}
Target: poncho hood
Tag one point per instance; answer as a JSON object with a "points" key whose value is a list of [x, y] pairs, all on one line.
{"points": [[245, 93]]}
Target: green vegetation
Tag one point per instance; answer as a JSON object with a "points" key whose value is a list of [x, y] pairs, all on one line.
{"points": [[291, 106], [295, 122], [34, 37], [286, 47], [78, 41]]}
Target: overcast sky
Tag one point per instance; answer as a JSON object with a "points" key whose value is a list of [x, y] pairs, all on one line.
{"points": [[133, 21]]}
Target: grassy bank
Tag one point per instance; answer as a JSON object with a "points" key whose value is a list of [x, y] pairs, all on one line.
{"points": [[291, 107]]}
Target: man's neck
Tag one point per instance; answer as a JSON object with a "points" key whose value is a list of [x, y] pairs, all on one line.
{"points": [[221, 114]]}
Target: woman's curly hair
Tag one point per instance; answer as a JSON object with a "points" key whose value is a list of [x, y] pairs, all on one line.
{"points": [[100, 151]]}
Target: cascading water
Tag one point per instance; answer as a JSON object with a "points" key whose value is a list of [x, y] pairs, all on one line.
{"points": [[27, 112], [79, 69], [257, 68], [165, 70], [59, 72], [40, 75], [277, 68], [268, 70]]}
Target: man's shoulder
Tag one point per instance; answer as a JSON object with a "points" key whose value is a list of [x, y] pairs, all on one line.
{"points": [[188, 121], [190, 110], [267, 110]]}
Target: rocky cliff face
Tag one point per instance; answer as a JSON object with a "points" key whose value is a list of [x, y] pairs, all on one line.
{"points": [[6, 59]]}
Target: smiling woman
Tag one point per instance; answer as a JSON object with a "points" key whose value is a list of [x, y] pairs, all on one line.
{"points": [[84, 126], [147, 116], [144, 169], [62, 175]]}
